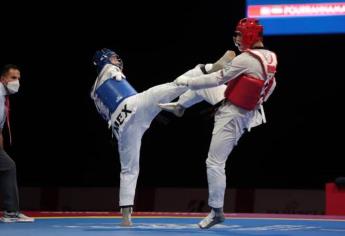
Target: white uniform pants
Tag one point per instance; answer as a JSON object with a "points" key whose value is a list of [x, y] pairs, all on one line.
{"points": [[229, 126], [129, 136]]}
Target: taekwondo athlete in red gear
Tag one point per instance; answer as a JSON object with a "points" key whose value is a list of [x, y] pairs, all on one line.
{"points": [[129, 114], [250, 81]]}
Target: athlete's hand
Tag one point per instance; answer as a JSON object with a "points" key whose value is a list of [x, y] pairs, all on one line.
{"points": [[182, 80]]}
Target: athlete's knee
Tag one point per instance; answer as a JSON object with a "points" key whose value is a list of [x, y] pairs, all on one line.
{"points": [[133, 170], [214, 162]]}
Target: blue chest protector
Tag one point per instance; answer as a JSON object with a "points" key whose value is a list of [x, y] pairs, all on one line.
{"points": [[112, 92]]}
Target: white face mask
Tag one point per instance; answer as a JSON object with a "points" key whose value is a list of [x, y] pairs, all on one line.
{"points": [[13, 86]]}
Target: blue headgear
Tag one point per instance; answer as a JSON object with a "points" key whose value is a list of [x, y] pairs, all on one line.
{"points": [[102, 57]]}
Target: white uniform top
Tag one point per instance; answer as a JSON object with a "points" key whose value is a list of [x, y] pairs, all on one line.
{"points": [[242, 64], [3, 93]]}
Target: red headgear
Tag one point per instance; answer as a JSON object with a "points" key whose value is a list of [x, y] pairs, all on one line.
{"points": [[251, 32]]}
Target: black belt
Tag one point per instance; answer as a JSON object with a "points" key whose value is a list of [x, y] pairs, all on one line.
{"points": [[210, 112], [218, 104]]}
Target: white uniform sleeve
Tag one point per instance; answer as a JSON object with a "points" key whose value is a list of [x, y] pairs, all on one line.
{"points": [[232, 71], [196, 71], [116, 73]]}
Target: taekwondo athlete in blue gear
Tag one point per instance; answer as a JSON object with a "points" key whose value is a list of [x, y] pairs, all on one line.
{"points": [[129, 114]]}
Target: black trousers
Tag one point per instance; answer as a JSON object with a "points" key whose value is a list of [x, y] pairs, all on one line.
{"points": [[8, 182]]}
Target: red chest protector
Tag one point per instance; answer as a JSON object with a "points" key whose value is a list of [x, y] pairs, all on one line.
{"points": [[247, 91]]}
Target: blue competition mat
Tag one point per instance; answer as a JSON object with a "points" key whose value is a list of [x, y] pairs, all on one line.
{"points": [[166, 226]]}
